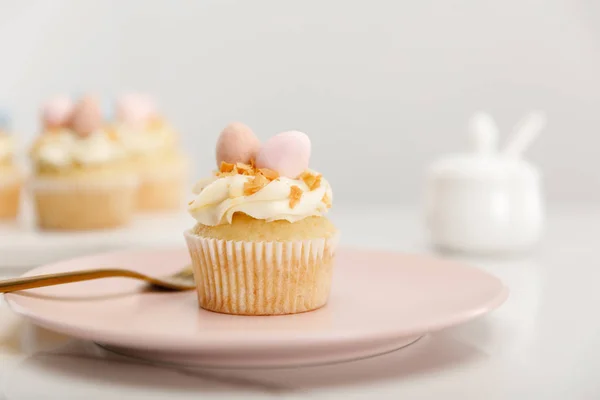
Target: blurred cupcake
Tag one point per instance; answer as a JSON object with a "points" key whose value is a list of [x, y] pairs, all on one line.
{"points": [[262, 245], [152, 147], [11, 178], [82, 179]]}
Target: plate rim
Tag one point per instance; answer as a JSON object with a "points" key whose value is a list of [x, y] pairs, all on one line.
{"points": [[256, 341]]}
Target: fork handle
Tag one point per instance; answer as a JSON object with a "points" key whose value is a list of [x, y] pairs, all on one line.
{"points": [[37, 281]]}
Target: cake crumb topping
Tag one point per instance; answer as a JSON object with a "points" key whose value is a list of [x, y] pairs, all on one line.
{"points": [[312, 180], [269, 173], [261, 177], [295, 196], [228, 169], [255, 184], [326, 200]]}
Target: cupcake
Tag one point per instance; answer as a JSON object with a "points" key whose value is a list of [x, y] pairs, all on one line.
{"points": [[262, 244], [151, 144], [11, 178], [81, 176]]}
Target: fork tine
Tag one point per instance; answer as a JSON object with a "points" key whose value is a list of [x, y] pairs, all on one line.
{"points": [[184, 272]]}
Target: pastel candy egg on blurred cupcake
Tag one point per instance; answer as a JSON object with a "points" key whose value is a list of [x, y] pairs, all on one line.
{"points": [[262, 244], [82, 179], [152, 146], [11, 176]]}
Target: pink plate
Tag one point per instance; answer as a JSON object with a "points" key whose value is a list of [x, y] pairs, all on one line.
{"points": [[380, 302]]}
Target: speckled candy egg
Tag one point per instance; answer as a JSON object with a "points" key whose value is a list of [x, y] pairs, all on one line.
{"points": [[87, 116], [5, 120], [57, 112], [237, 143], [127, 106], [287, 153], [135, 109]]}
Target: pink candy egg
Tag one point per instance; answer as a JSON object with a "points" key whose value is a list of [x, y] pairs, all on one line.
{"points": [[57, 111], [87, 116], [287, 153], [237, 143], [135, 109]]}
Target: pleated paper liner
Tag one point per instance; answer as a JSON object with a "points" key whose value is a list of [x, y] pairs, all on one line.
{"points": [[80, 204], [262, 278], [10, 195]]}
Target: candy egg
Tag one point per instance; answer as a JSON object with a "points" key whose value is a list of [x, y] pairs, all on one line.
{"points": [[150, 104], [237, 143], [5, 120], [135, 109], [287, 153], [87, 116], [57, 111]]}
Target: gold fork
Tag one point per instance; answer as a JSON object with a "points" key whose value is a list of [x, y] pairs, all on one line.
{"points": [[181, 280]]}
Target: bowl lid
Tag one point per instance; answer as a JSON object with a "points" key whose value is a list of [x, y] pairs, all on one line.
{"points": [[483, 166]]}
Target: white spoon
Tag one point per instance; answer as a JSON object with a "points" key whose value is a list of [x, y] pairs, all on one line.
{"points": [[483, 133], [524, 133]]}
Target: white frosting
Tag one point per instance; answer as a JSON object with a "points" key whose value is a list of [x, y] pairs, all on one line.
{"points": [[218, 199], [64, 148], [144, 141], [7, 147]]}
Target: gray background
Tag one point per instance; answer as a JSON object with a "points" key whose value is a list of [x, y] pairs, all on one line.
{"points": [[382, 87]]}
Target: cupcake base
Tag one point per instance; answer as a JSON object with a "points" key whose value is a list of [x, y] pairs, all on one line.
{"points": [[162, 184], [161, 194], [262, 278], [84, 205], [10, 196]]}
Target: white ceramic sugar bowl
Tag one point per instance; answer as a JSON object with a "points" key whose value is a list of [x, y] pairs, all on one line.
{"points": [[484, 201]]}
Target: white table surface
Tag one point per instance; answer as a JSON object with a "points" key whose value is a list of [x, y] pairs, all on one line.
{"points": [[543, 343], [23, 245]]}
